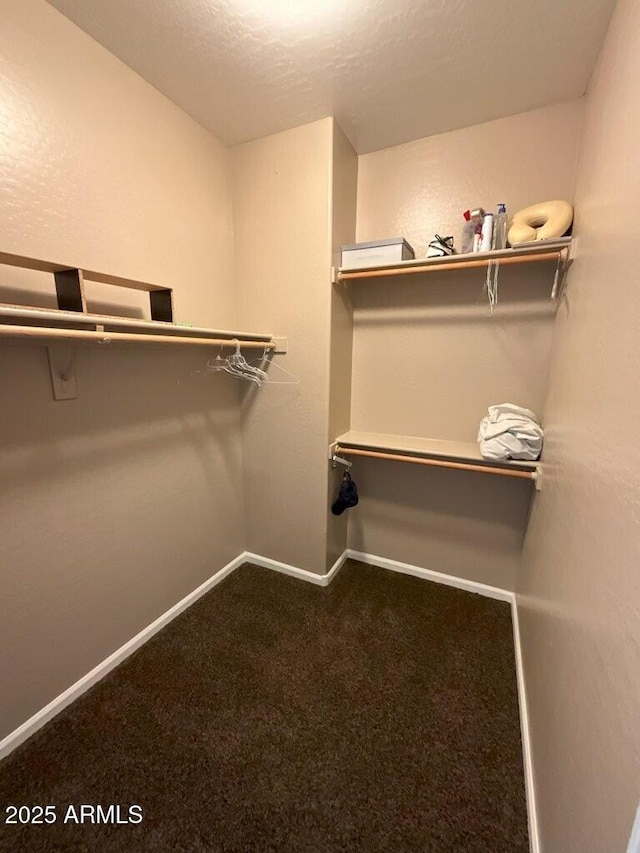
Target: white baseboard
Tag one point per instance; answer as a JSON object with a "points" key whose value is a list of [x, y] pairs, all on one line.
{"points": [[430, 575], [532, 813], [335, 568], [294, 571], [31, 726], [634, 841]]}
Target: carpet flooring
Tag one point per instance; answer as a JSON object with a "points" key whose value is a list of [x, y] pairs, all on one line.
{"points": [[377, 714]]}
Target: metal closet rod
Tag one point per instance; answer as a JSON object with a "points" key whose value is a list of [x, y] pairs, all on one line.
{"points": [[439, 463], [107, 337]]}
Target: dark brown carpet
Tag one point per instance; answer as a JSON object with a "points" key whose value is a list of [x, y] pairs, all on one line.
{"points": [[378, 714]]}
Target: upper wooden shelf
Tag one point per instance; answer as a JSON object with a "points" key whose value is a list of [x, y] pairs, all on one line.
{"points": [[21, 321], [89, 275], [70, 289], [464, 455], [549, 250]]}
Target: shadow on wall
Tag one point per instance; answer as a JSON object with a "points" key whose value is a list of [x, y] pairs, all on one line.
{"points": [[468, 509], [280, 393], [131, 402], [28, 299], [429, 358], [454, 297], [33, 289]]}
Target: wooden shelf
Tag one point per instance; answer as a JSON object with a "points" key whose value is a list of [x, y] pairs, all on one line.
{"points": [[462, 455], [48, 333], [48, 325], [46, 316], [549, 250], [69, 282], [59, 331], [18, 321]]}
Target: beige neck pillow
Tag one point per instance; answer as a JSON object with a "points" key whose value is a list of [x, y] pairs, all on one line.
{"points": [[541, 222]]}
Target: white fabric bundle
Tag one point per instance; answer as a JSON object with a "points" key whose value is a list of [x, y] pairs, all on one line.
{"points": [[510, 432]]}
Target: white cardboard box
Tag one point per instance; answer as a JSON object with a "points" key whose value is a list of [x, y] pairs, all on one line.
{"points": [[375, 253]]}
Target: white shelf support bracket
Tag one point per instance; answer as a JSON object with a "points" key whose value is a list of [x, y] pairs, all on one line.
{"points": [[282, 346], [106, 339], [537, 479], [556, 278], [565, 259], [61, 369]]}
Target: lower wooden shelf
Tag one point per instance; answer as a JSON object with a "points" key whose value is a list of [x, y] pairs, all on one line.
{"points": [[462, 455]]}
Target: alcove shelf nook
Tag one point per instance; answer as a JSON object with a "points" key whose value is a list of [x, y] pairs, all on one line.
{"points": [[442, 453]]}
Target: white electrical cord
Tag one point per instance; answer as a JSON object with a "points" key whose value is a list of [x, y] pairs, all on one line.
{"points": [[491, 284]]}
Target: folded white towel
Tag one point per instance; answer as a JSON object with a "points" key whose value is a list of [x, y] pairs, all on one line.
{"points": [[510, 432]]}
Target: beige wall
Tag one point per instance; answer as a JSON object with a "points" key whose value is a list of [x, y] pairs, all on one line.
{"points": [[283, 261], [115, 505], [580, 588], [427, 357], [344, 189]]}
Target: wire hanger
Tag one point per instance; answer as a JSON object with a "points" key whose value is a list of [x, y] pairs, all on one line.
{"points": [[239, 362], [267, 359], [232, 365], [238, 366]]}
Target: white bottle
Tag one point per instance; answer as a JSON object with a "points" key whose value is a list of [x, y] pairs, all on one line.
{"points": [[487, 232], [476, 216], [500, 228]]}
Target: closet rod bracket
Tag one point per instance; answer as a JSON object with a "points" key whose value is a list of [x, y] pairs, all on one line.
{"points": [[339, 460], [335, 458]]}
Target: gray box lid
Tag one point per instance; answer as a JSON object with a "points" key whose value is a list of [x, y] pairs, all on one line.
{"points": [[390, 241]]}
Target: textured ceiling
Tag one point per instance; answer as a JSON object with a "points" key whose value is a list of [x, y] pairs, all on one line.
{"points": [[389, 70]]}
